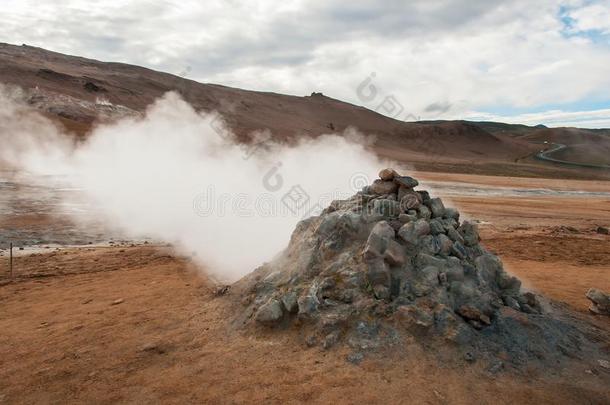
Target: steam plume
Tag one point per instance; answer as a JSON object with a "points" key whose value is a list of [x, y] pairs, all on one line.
{"points": [[176, 175]]}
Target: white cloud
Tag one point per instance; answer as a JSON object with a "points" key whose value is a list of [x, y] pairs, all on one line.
{"points": [[464, 55], [594, 16], [553, 118]]}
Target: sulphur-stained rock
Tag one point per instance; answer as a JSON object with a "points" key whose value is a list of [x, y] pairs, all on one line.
{"points": [[600, 302]]}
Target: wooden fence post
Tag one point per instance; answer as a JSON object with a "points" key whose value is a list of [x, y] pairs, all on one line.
{"points": [[10, 260]]}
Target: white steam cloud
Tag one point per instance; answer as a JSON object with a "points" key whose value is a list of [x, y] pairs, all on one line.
{"points": [[176, 175]]}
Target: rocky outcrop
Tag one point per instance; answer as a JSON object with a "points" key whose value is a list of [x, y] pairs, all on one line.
{"points": [[391, 262]]}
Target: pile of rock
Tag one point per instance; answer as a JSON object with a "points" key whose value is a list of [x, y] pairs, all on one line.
{"points": [[391, 262]]}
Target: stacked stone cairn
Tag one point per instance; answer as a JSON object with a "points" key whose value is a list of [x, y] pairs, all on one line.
{"points": [[389, 259]]}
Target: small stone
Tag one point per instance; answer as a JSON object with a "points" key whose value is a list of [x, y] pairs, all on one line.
{"points": [[496, 367], [311, 340], [452, 213], [458, 250], [381, 292], [455, 235], [405, 218], [330, 340], [600, 302], [383, 187], [415, 315], [604, 364], [308, 304], [290, 302], [437, 207], [395, 254], [430, 245], [436, 226], [270, 313], [469, 357], [387, 208], [425, 196], [469, 312], [602, 230], [424, 212], [378, 239], [153, 347], [507, 282], [470, 233], [511, 302], [409, 201], [413, 231], [378, 274], [406, 181], [355, 358], [117, 302], [387, 174], [445, 244]]}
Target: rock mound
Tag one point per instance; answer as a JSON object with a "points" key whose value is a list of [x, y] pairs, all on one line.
{"points": [[393, 263]]}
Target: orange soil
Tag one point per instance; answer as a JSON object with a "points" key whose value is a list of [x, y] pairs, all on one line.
{"points": [[170, 339]]}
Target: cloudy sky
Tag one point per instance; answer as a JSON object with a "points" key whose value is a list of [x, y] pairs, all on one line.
{"points": [[533, 62]]}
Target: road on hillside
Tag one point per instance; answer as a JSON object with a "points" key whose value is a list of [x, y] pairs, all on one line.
{"points": [[556, 147]]}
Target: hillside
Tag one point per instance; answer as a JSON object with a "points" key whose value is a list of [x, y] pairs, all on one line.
{"points": [[78, 91]]}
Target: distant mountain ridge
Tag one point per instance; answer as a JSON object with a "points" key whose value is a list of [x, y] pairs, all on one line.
{"points": [[78, 91]]}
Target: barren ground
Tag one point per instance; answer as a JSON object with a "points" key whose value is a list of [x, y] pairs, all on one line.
{"points": [[63, 341]]}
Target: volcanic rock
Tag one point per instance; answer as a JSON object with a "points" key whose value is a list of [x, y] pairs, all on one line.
{"points": [[600, 302], [406, 181], [383, 187], [387, 174], [436, 207], [270, 312], [369, 278]]}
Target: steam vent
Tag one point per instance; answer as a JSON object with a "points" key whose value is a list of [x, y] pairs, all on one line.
{"points": [[393, 264]]}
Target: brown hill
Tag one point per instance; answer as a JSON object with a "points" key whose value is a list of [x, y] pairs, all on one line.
{"points": [[71, 89]]}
